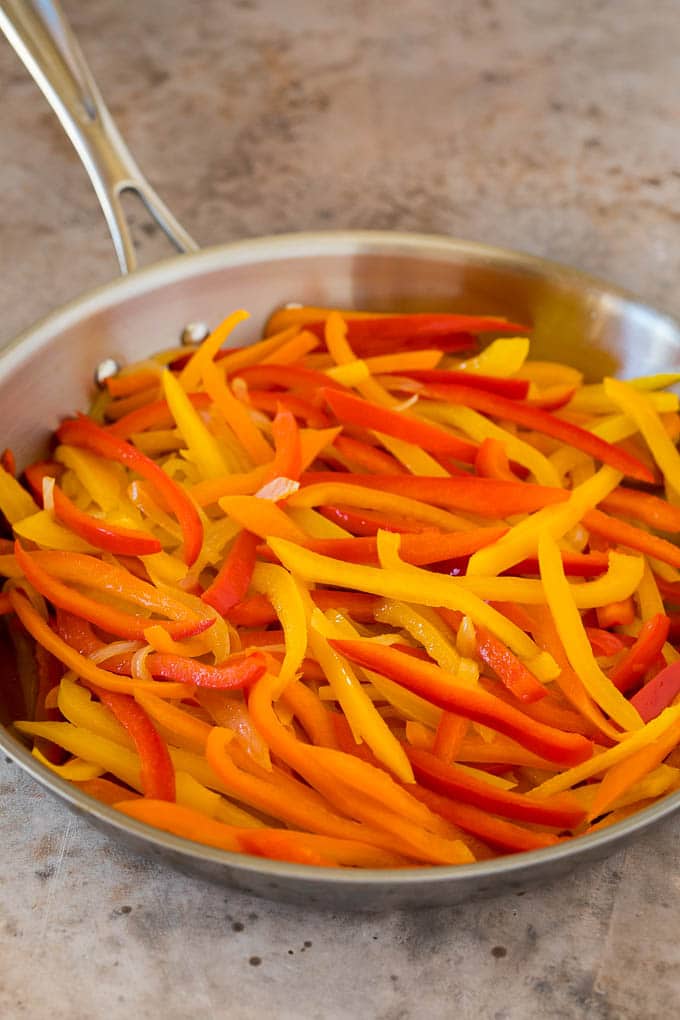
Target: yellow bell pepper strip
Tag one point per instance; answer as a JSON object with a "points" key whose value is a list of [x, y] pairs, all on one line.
{"points": [[351, 410], [77, 740], [405, 835], [236, 415], [496, 832], [192, 373], [74, 770], [403, 585], [202, 447], [441, 688], [542, 421], [263, 517], [485, 497], [191, 732], [575, 640], [417, 461], [337, 345], [44, 531], [502, 357], [642, 655], [457, 783], [153, 416], [521, 540], [620, 778], [287, 598], [621, 533], [648, 735], [431, 634], [101, 534], [313, 441], [636, 405], [156, 769], [84, 433], [15, 502], [419, 549], [233, 579], [660, 692], [110, 619], [365, 721], [80, 664]]}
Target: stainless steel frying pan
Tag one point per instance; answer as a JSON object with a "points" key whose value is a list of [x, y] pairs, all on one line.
{"points": [[48, 372]]}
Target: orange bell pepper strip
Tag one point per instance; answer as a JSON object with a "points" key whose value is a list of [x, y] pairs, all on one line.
{"points": [[41, 631], [236, 415], [456, 783], [182, 821], [492, 461], [485, 497], [311, 712], [620, 533], [659, 693], [35, 473], [449, 737], [261, 516], [287, 461], [271, 401], [644, 506], [436, 685], [495, 831], [101, 534], [155, 415], [351, 410], [86, 434], [157, 771], [235, 574], [110, 619], [287, 377], [305, 848], [105, 790], [124, 384], [419, 549], [616, 614], [370, 522], [189, 731], [640, 658], [513, 389], [543, 421]]}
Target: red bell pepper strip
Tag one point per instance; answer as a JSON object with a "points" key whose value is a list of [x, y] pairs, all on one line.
{"points": [[257, 611], [454, 782], [370, 522], [35, 473], [510, 670], [418, 549], [433, 327], [486, 497], [496, 831], [107, 617], [85, 433], [575, 564], [157, 771], [542, 421], [552, 398], [232, 581], [620, 533], [659, 693], [603, 642], [640, 658], [513, 389], [153, 416], [236, 672], [652, 510], [549, 710], [8, 462], [102, 535], [305, 410], [434, 684], [351, 410], [368, 458]]}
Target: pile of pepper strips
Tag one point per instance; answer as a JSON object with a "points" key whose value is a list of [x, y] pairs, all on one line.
{"points": [[364, 593]]}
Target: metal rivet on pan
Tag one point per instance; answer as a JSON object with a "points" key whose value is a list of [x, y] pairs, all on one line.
{"points": [[104, 370], [194, 333]]}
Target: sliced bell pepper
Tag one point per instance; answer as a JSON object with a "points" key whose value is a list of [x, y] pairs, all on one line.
{"points": [[233, 579], [511, 671], [637, 405], [639, 659], [437, 686], [157, 771], [101, 534], [492, 461], [513, 389], [368, 458], [156, 415], [449, 736], [660, 692], [420, 549], [83, 432], [287, 461], [616, 614], [545, 422], [644, 506], [620, 533]]}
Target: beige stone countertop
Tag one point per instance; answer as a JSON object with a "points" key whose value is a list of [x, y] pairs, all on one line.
{"points": [[544, 125]]}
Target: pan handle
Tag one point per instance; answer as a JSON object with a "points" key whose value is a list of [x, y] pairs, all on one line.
{"points": [[41, 36]]}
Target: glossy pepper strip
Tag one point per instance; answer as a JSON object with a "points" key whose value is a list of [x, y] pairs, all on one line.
{"points": [[545, 422], [511, 670], [239, 670], [641, 657], [638, 406], [419, 549], [232, 581], [575, 640], [84, 433], [620, 533], [486, 497], [353, 410], [157, 771], [458, 784], [439, 687], [110, 619], [660, 692], [513, 389], [101, 534], [644, 506]]}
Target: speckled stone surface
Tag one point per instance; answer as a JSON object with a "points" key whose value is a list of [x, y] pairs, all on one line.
{"points": [[547, 126]]}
